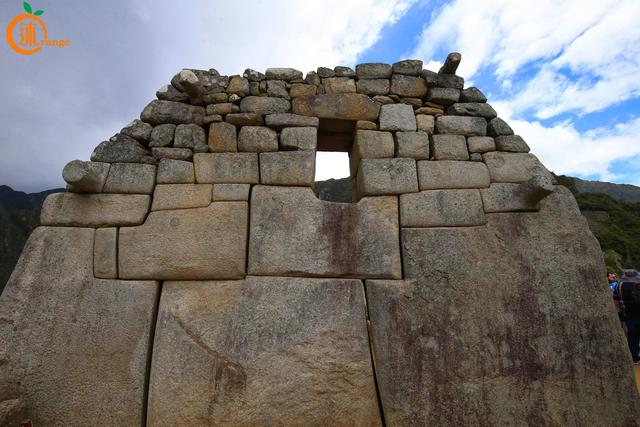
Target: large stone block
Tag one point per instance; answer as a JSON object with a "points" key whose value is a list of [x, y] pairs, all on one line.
{"points": [[511, 143], [257, 139], [231, 168], [527, 347], [412, 144], [373, 70], [397, 117], [181, 196], [480, 144], [130, 178], [461, 125], [74, 348], [294, 233], [449, 174], [262, 351], [189, 136], [288, 168], [158, 112], [443, 95], [333, 85], [373, 87], [441, 208], [370, 144], [119, 148], [264, 105], [449, 147], [477, 109], [299, 138], [282, 120], [186, 244], [175, 172], [386, 176], [94, 210], [510, 197], [412, 67], [286, 74], [222, 138], [231, 192], [408, 86], [12, 413], [105, 253], [513, 167], [345, 106], [85, 177]]}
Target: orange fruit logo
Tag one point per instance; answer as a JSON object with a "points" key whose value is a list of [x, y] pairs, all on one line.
{"points": [[27, 33]]}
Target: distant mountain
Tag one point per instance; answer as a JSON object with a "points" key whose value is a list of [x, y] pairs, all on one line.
{"points": [[334, 190], [19, 215], [622, 192]]}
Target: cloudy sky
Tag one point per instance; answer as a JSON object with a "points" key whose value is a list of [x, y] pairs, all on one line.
{"points": [[565, 74]]}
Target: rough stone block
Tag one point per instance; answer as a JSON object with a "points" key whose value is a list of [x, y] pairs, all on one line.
{"points": [[345, 106], [105, 253], [12, 413], [119, 148], [333, 85], [476, 109], [283, 120], [175, 172], [302, 340], [130, 178], [409, 86], [162, 135], [172, 153], [238, 85], [370, 144], [425, 123], [387, 176], [94, 210], [286, 74], [461, 125], [513, 167], [373, 86], [301, 89], [472, 94], [342, 71], [366, 125], [181, 196], [294, 233], [85, 177], [412, 144], [231, 192], [188, 136], [299, 138], [374, 70], [226, 168], [480, 144], [442, 208], [257, 139], [498, 127], [138, 129], [451, 174], [75, 348], [397, 117], [244, 119], [288, 168], [277, 88], [264, 105], [158, 112], [449, 147], [507, 197], [511, 143], [186, 244], [443, 95], [412, 67], [222, 138]]}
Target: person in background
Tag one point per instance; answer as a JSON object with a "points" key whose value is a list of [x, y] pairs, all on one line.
{"points": [[613, 285], [628, 294]]}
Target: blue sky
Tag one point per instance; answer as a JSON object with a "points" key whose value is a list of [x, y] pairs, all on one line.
{"points": [[564, 74]]}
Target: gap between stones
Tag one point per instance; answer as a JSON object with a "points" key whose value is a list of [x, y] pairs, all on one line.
{"points": [[372, 354], [152, 336]]}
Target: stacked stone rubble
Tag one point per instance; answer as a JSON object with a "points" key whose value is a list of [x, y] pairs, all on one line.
{"points": [[270, 296]]}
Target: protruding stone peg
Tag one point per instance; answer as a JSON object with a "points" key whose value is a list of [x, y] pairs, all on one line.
{"points": [[85, 177], [187, 81], [536, 188], [451, 63]]}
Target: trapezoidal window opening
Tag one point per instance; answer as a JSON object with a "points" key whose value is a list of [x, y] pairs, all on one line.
{"points": [[333, 180]]}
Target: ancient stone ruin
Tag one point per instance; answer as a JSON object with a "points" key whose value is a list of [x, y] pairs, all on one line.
{"points": [[190, 276]]}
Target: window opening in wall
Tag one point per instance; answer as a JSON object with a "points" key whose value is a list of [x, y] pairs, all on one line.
{"points": [[333, 181]]}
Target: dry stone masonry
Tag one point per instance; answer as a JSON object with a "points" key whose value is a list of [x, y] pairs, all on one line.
{"points": [[190, 276]]}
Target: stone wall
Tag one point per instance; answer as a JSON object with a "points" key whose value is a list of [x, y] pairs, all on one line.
{"points": [[190, 275]]}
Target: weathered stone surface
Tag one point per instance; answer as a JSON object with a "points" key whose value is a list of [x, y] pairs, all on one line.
{"points": [[441, 208], [301, 89], [383, 100], [513, 167], [480, 144], [175, 172], [138, 129], [253, 75], [409, 86], [286, 74], [498, 127], [160, 153], [451, 63], [75, 348], [264, 105], [244, 119], [222, 138], [346, 106], [455, 307], [181, 196], [158, 112], [278, 89], [226, 168], [449, 81], [430, 110], [366, 125], [443, 95], [472, 94], [12, 412], [373, 70], [325, 72], [130, 178], [509, 197], [512, 143], [288, 168], [425, 123], [477, 109], [187, 81], [299, 340], [294, 233], [460, 125], [190, 244], [450, 174], [119, 148], [257, 139], [222, 109], [412, 67], [105, 253], [94, 210], [170, 93], [370, 144], [412, 144], [238, 85], [397, 117], [373, 86], [231, 192], [162, 135], [449, 147], [282, 120], [387, 176], [333, 85], [85, 177], [342, 71], [299, 138]]}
